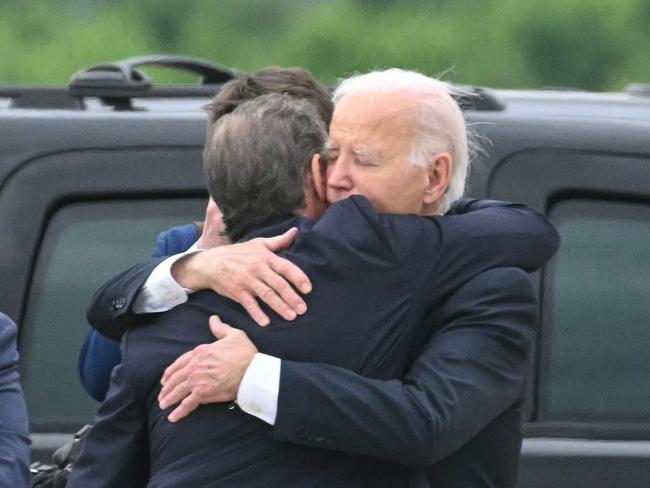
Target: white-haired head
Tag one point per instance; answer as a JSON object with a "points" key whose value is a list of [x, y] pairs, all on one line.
{"points": [[441, 122]]}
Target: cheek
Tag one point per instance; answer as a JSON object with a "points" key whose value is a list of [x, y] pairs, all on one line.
{"points": [[378, 191], [403, 192]]}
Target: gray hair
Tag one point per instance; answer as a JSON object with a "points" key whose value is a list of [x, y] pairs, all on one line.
{"points": [[257, 158], [441, 122]]}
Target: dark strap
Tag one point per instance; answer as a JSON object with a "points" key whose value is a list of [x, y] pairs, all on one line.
{"points": [[56, 475]]}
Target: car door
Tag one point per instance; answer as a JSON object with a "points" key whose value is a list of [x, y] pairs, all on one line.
{"points": [[588, 407], [83, 197]]}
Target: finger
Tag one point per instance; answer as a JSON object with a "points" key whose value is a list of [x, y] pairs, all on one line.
{"points": [[187, 406], [174, 380], [180, 363], [271, 298], [284, 300], [280, 242], [246, 300], [177, 394], [218, 328], [292, 273]]}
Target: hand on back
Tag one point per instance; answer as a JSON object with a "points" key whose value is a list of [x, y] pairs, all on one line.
{"points": [[210, 373], [246, 272]]}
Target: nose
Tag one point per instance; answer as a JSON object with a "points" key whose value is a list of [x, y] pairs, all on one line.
{"points": [[338, 174]]}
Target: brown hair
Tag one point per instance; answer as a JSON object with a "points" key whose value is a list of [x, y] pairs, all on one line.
{"points": [[257, 159], [295, 82]]}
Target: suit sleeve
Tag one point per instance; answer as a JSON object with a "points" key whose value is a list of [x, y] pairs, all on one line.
{"points": [[14, 440], [176, 240], [110, 310], [115, 453], [471, 370], [482, 235], [443, 252]]}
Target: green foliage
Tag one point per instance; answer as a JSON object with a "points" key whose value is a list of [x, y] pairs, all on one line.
{"points": [[506, 43]]}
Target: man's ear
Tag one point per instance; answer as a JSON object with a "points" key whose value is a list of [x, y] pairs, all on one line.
{"points": [[439, 175], [318, 176]]}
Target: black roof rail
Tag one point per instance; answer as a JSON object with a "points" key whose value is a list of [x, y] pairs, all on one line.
{"points": [[41, 97], [478, 99], [118, 82]]}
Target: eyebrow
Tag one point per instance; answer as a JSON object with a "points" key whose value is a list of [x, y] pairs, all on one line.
{"points": [[329, 146], [361, 152]]}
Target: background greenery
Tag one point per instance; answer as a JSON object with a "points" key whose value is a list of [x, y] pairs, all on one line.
{"points": [[588, 44]]}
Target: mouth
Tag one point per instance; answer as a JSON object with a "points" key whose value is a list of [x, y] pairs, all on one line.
{"points": [[334, 194], [338, 192]]}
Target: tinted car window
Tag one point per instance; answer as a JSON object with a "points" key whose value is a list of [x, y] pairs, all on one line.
{"points": [[84, 245], [596, 359]]}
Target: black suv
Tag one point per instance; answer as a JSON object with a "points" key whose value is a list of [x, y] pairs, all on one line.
{"points": [[90, 173]]}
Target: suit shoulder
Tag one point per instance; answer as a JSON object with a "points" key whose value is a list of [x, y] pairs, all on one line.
{"points": [[355, 218], [350, 222]]}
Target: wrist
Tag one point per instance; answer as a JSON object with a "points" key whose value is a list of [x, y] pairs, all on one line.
{"points": [[186, 271]]}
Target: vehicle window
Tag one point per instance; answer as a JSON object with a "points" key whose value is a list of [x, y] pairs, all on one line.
{"points": [[84, 245], [597, 314]]}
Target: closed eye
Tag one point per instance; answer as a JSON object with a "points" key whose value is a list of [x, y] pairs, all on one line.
{"points": [[363, 157], [365, 162], [330, 157]]}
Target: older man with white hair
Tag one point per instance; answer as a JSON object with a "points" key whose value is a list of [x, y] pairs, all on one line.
{"points": [[399, 139], [396, 135]]}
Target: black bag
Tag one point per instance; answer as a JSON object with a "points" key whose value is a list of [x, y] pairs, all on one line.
{"points": [[56, 475]]}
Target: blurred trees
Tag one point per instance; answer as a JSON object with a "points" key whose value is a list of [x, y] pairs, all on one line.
{"points": [[504, 43]]}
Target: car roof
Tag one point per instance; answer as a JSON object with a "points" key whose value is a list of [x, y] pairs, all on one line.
{"points": [[562, 104]]}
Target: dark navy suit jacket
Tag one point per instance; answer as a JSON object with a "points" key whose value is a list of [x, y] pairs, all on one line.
{"points": [[456, 415], [375, 277], [14, 439]]}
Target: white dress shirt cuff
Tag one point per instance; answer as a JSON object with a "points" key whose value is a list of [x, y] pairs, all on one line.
{"points": [[260, 387], [161, 292]]}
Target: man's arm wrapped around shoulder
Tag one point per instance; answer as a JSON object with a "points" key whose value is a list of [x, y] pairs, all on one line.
{"points": [[472, 369]]}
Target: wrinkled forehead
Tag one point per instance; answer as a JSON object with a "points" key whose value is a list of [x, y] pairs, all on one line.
{"points": [[363, 118]]}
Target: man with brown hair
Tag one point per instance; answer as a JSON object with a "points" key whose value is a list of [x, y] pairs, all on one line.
{"points": [[245, 272], [296, 82]]}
